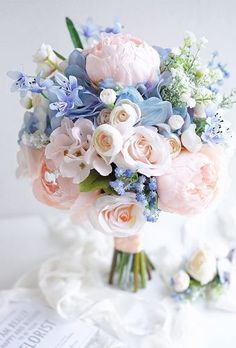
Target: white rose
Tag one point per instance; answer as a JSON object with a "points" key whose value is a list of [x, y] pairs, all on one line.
{"points": [[107, 140], [175, 122], [175, 145], [119, 216], [202, 266], [181, 281], [108, 96], [146, 151], [125, 115], [46, 59], [190, 140]]}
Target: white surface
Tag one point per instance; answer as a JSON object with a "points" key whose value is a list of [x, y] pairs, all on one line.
{"points": [[25, 24], [130, 315]]}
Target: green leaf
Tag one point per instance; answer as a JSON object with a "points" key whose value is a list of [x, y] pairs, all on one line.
{"points": [[200, 125], [73, 33], [95, 182], [59, 55]]}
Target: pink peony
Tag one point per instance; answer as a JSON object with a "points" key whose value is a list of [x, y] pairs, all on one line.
{"points": [[194, 182], [71, 150], [53, 190], [125, 59]]}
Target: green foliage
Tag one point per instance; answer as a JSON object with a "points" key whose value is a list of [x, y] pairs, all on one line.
{"points": [[73, 34], [95, 182], [200, 125]]}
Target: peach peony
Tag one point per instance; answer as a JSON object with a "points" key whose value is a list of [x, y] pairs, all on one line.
{"points": [[194, 182], [54, 190], [125, 59]]}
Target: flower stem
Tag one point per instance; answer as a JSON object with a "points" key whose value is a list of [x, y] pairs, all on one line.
{"points": [[143, 269], [113, 266], [136, 271], [122, 267]]}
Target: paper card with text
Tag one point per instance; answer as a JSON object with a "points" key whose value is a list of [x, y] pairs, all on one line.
{"points": [[30, 325]]}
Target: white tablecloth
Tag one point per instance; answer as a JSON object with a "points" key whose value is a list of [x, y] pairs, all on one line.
{"points": [[26, 242]]}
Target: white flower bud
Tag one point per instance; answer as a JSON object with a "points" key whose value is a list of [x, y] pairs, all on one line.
{"points": [[190, 140], [175, 122], [108, 96], [181, 281]]}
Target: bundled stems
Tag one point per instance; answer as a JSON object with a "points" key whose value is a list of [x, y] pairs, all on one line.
{"points": [[130, 271]]}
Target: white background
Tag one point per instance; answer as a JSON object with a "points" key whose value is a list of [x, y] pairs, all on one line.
{"points": [[25, 24]]}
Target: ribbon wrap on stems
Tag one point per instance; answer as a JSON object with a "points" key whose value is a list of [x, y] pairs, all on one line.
{"points": [[131, 245]]}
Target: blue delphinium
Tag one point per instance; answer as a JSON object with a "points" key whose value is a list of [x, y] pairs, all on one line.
{"points": [[145, 190], [216, 130], [21, 82], [90, 29], [63, 106], [68, 86], [115, 29], [24, 83]]}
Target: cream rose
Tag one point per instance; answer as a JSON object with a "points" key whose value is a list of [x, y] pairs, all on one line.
{"points": [[202, 266], [107, 140], [145, 151], [119, 216], [125, 115], [175, 145]]}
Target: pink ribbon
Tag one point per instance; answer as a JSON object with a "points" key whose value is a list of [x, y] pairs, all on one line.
{"points": [[132, 244]]}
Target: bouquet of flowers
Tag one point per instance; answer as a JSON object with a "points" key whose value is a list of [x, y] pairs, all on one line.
{"points": [[121, 130]]}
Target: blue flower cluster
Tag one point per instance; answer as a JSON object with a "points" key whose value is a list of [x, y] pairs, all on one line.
{"points": [[144, 188]]}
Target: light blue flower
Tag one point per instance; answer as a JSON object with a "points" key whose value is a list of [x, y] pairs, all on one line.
{"points": [[90, 29], [26, 84], [21, 82], [115, 29], [130, 93], [163, 53], [154, 111], [67, 86], [216, 131], [38, 85], [63, 106]]}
